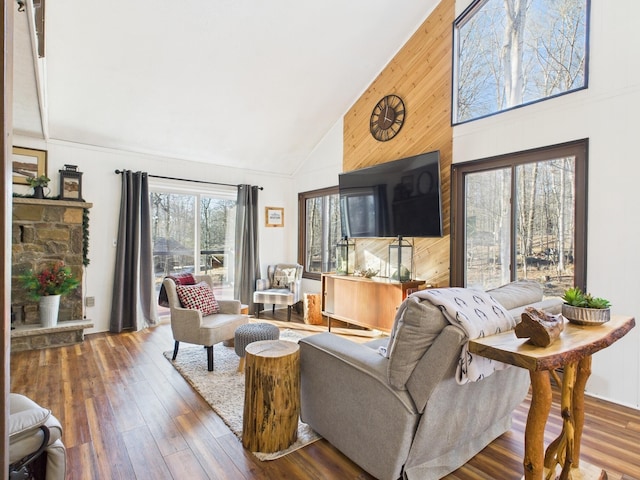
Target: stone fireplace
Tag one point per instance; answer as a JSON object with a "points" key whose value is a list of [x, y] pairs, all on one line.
{"points": [[44, 232]]}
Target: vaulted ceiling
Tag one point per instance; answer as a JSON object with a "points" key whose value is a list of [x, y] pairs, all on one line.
{"points": [[249, 84]]}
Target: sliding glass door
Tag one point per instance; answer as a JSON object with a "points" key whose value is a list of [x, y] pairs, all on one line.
{"points": [[193, 232]]}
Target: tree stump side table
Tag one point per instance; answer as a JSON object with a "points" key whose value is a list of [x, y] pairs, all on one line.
{"points": [[271, 395]]}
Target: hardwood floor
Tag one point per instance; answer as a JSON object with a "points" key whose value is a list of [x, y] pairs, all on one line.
{"points": [[128, 414]]}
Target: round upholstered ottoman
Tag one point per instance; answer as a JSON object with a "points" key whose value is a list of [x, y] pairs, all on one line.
{"points": [[253, 332]]}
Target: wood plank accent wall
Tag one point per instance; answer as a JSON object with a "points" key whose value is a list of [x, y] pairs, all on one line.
{"points": [[421, 75]]}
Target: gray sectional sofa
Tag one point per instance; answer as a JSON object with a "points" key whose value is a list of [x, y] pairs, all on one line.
{"points": [[406, 416]]}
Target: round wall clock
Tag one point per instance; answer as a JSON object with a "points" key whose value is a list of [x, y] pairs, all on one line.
{"points": [[387, 118]]}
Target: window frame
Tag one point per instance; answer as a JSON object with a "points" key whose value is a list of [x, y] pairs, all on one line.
{"points": [[302, 226], [578, 149], [460, 21]]}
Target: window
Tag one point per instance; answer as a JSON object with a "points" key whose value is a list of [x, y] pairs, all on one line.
{"points": [[193, 231], [522, 216], [319, 220], [509, 53]]}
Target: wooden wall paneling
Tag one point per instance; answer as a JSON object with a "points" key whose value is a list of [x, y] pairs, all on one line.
{"points": [[421, 75]]}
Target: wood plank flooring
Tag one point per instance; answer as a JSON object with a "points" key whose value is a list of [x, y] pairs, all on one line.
{"points": [[128, 414]]}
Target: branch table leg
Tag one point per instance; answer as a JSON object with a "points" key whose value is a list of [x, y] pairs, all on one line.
{"points": [[536, 422]]}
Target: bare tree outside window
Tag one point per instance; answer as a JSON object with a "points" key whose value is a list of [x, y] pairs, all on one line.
{"points": [[510, 53]]}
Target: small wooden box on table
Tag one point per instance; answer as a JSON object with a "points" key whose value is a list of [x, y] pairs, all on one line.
{"points": [[572, 351], [271, 395]]}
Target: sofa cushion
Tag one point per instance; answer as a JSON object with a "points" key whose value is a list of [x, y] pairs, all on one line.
{"points": [[198, 297], [417, 325], [517, 294]]}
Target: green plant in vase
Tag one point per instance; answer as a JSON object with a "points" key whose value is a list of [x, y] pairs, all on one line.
{"points": [[38, 184], [585, 309]]}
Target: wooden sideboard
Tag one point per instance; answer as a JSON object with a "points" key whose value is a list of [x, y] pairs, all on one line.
{"points": [[367, 302]]}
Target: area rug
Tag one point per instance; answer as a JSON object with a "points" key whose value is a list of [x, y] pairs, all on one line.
{"points": [[223, 389]]}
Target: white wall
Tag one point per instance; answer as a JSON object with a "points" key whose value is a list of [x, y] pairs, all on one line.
{"points": [[605, 114], [320, 170], [101, 186]]}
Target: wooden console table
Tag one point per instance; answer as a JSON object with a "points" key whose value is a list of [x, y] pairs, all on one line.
{"points": [[572, 351], [367, 302]]}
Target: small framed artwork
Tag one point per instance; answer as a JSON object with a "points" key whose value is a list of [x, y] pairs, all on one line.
{"points": [[27, 163], [70, 183], [274, 217]]}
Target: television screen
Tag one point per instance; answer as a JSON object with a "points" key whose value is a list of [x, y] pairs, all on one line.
{"points": [[398, 198]]}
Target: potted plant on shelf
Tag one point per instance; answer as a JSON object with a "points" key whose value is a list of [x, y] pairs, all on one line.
{"points": [[38, 184], [47, 286], [585, 309]]}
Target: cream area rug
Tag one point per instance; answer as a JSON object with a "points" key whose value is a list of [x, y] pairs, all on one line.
{"points": [[223, 389]]}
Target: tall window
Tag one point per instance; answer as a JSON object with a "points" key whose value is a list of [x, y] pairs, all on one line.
{"points": [[509, 53], [193, 231], [522, 216], [319, 220]]}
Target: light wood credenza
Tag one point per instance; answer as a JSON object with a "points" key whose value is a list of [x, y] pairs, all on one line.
{"points": [[367, 302]]}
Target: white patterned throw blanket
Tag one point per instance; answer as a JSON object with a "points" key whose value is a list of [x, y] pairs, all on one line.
{"points": [[478, 314]]}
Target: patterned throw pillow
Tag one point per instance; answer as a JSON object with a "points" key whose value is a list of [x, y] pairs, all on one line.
{"points": [[198, 297], [282, 277]]}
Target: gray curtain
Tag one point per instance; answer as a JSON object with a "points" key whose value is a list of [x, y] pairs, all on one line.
{"points": [[247, 261], [133, 286]]}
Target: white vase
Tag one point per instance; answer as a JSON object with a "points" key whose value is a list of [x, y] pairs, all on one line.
{"points": [[49, 306]]}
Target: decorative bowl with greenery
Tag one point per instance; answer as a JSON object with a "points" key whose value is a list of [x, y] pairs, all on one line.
{"points": [[56, 279], [585, 309]]}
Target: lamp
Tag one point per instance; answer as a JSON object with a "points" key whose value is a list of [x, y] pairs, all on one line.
{"points": [[345, 256], [70, 183], [400, 260]]}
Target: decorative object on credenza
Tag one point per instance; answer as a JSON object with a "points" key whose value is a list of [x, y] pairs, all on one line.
{"points": [[47, 286], [274, 217], [367, 273], [540, 327], [27, 163], [39, 184], [345, 256], [585, 309], [387, 118], [400, 260], [70, 183]]}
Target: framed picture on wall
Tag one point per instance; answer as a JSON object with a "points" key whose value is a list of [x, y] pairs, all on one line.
{"points": [[27, 163], [274, 217]]}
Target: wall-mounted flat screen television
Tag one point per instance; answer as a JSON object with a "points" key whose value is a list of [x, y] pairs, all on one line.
{"points": [[397, 198]]}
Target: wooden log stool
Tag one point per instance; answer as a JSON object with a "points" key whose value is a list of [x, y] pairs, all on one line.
{"points": [[271, 395]]}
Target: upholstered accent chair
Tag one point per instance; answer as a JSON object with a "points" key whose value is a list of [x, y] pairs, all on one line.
{"points": [[35, 446], [399, 412], [208, 321], [283, 286]]}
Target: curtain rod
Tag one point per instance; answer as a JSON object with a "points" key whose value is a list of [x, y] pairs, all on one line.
{"points": [[193, 181]]}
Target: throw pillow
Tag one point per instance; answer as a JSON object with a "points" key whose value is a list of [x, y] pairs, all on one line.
{"points": [[183, 278], [282, 277], [198, 297]]}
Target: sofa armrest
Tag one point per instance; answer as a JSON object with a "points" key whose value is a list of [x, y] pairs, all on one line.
{"points": [[185, 318], [229, 306], [263, 284], [346, 354]]}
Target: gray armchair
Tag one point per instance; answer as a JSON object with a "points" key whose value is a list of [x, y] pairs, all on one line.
{"points": [[283, 286], [405, 415], [189, 325]]}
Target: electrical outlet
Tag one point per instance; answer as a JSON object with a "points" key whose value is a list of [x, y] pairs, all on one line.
{"points": [[90, 301]]}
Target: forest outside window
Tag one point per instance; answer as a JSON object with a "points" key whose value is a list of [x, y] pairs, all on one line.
{"points": [[522, 216], [509, 53], [320, 231]]}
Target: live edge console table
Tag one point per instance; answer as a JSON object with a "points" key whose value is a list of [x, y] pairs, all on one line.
{"points": [[367, 302], [572, 351]]}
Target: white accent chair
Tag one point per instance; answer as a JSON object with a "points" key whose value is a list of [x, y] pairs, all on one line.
{"points": [[35, 446], [283, 286], [190, 326]]}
